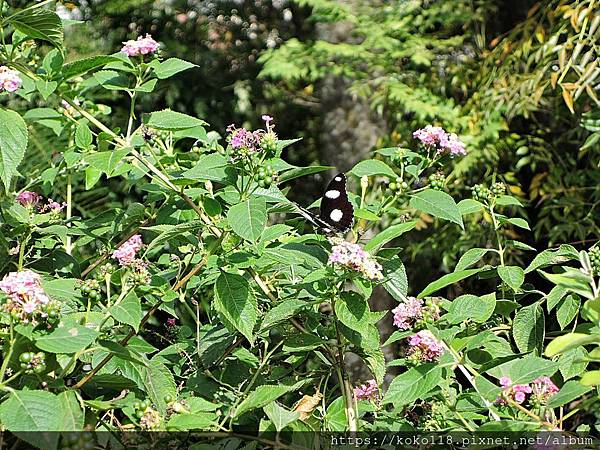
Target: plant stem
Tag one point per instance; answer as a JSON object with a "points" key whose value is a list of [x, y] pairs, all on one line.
{"points": [[69, 212], [22, 251], [11, 344]]}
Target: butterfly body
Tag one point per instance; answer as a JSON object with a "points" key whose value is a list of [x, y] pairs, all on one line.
{"points": [[336, 214]]}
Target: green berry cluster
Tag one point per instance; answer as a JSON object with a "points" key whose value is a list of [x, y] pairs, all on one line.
{"points": [[106, 269], [139, 277], [481, 193], [437, 181], [141, 407], [398, 187], [594, 254], [265, 176], [33, 362], [78, 441], [269, 142], [149, 417], [498, 189], [430, 312], [90, 289], [51, 311]]}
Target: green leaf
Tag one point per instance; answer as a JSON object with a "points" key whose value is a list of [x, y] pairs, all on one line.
{"points": [[413, 384], [447, 280], [568, 341], [71, 412], [112, 80], [13, 142], [518, 222], [39, 24], [201, 421], [128, 311], [280, 416], [508, 200], [108, 161], [569, 392], [527, 369], [209, 167], [591, 378], [170, 67], [92, 175], [471, 307], [573, 362], [567, 310], [69, 339], [389, 234], [158, 382], [470, 257], [553, 256], [172, 120], [263, 395], [301, 172], [31, 412], [82, 66], [283, 143], [396, 281], [372, 167], [46, 87], [528, 328], [513, 276], [353, 311], [248, 219], [83, 135], [555, 296], [283, 311], [236, 303], [438, 204], [469, 206]]}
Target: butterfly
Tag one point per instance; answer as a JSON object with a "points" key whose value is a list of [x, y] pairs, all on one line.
{"points": [[336, 214]]}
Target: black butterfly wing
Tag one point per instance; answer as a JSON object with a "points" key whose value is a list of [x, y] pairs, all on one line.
{"points": [[336, 209]]}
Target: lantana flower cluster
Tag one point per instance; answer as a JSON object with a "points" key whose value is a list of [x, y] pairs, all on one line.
{"points": [[415, 313], [9, 79], [542, 388], [26, 300], [34, 201], [367, 391], [424, 347], [126, 255], [143, 45], [440, 140], [245, 144], [354, 257]]}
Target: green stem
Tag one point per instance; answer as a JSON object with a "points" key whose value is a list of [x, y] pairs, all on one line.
{"points": [[22, 251], [69, 213], [11, 345]]}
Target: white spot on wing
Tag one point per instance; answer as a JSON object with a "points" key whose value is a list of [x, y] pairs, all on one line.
{"points": [[336, 215], [338, 178], [332, 194]]}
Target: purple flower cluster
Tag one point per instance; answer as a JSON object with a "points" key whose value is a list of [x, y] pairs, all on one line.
{"points": [[424, 347], [407, 313], [140, 46], [26, 296], [9, 79], [32, 200], [542, 389], [354, 257], [443, 142], [367, 391], [246, 143], [127, 252]]}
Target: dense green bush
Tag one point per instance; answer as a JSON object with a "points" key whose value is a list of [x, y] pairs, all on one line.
{"points": [[206, 303]]}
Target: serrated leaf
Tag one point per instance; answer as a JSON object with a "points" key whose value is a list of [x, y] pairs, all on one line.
{"points": [[13, 142], [263, 395], [69, 339], [447, 280], [528, 328], [82, 66], [201, 421], [573, 362], [569, 392], [128, 311], [396, 281], [280, 417], [471, 307], [513, 276], [283, 311], [249, 218], [83, 135], [389, 234], [567, 310], [70, 411], [438, 204], [172, 120], [413, 384], [40, 24], [158, 382], [553, 256], [209, 167], [568, 341], [170, 67], [372, 167], [236, 302], [470, 257]]}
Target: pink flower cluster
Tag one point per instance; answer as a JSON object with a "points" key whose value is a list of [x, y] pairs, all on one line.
{"points": [[32, 200], [542, 389], [407, 313], [354, 257], [246, 143], [9, 79], [367, 391], [26, 296], [423, 346], [140, 46], [127, 252], [440, 140]]}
